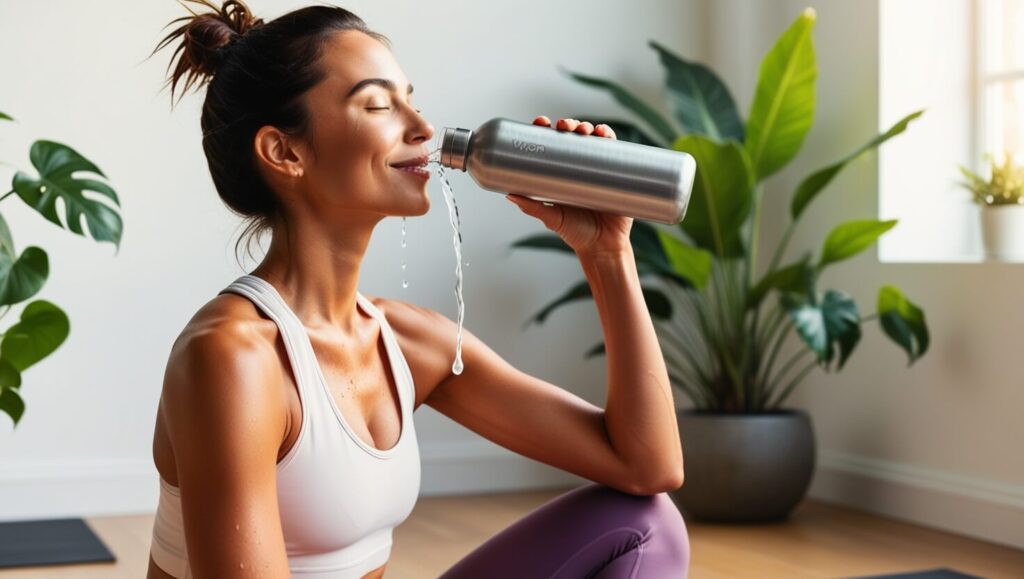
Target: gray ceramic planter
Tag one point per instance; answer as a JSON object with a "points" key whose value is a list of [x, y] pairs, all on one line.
{"points": [[744, 467]]}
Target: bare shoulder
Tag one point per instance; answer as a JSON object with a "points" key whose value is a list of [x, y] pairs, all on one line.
{"points": [[224, 359], [225, 420], [427, 339]]}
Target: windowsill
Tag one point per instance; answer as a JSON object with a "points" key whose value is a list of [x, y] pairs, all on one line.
{"points": [[951, 260]]}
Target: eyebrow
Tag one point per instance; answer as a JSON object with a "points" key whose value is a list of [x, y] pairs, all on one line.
{"points": [[388, 84]]}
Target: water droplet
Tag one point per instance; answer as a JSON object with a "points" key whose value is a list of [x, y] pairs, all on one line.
{"points": [[42, 188], [405, 284]]}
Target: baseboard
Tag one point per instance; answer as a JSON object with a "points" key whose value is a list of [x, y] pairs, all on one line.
{"points": [[55, 489], [974, 507], [965, 505]]}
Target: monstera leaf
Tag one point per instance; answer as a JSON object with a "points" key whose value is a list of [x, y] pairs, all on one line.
{"points": [[42, 328], [824, 326], [20, 277], [903, 322], [57, 164]]}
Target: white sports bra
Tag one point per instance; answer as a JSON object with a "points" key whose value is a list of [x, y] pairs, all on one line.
{"points": [[339, 497]]}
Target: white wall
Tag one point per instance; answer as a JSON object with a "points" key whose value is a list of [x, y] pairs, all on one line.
{"points": [[938, 443], [76, 72]]}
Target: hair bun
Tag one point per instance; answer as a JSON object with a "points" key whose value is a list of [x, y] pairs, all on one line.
{"points": [[204, 39]]}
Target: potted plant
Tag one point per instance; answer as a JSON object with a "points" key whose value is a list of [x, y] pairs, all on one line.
{"points": [[1001, 197], [721, 322], [64, 175]]}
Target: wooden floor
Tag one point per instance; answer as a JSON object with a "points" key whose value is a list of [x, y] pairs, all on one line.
{"points": [[818, 541]]}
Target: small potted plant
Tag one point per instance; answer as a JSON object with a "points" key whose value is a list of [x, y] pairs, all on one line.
{"points": [[1002, 207], [56, 190], [721, 320]]}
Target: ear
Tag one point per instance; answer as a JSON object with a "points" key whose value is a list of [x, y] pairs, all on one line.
{"points": [[279, 153]]}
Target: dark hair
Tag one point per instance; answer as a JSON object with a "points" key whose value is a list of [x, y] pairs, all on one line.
{"points": [[256, 73]]}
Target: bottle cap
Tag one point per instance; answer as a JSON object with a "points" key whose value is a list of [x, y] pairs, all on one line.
{"points": [[455, 147]]}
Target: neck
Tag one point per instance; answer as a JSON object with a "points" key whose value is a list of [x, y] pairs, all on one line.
{"points": [[314, 265]]}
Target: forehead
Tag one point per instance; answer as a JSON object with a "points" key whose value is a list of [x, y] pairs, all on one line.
{"points": [[352, 56]]}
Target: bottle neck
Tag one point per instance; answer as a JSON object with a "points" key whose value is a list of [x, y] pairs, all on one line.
{"points": [[455, 147]]}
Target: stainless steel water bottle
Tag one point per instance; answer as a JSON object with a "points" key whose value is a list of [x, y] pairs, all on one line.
{"points": [[568, 168]]}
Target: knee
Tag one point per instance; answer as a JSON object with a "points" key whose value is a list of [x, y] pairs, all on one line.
{"points": [[655, 513]]}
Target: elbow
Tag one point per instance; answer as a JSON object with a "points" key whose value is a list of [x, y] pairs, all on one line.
{"points": [[666, 480]]}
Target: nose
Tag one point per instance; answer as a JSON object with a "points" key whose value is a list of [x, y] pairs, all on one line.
{"points": [[421, 130]]}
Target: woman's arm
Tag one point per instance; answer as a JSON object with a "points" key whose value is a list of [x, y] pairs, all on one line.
{"points": [[224, 413], [640, 413], [633, 444]]}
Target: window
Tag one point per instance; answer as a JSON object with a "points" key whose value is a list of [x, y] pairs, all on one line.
{"points": [[928, 60], [1001, 78]]}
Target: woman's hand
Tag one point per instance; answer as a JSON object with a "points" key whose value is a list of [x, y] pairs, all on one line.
{"points": [[586, 231]]}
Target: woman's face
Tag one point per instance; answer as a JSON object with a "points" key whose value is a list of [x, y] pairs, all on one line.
{"points": [[359, 129]]}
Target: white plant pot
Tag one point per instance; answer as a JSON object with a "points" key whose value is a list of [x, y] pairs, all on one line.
{"points": [[1002, 231]]}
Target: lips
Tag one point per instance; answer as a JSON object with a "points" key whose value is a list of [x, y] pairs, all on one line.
{"points": [[420, 161]]}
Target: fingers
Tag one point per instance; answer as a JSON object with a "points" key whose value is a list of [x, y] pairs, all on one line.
{"points": [[567, 124], [604, 130], [549, 214], [576, 126]]}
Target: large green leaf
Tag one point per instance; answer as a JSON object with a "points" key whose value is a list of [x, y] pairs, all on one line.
{"points": [[12, 404], [22, 277], [813, 184], [6, 241], [657, 303], [784, 101], [650, 116], [42, 329], [579, 291], [650, 254], [700, 100], [721, 197], [791, 278], [832, 324], [543, 241], [56, 164], [850, 238], [903, 322], [10, 377], [692, 263]]}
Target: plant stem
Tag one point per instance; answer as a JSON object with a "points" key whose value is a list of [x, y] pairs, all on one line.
{"points": [[8, 194], [781, 247], [785, 368], [779, 340], [754, 235], [794, 382]]}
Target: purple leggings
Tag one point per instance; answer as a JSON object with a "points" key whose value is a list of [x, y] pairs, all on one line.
{"points": [[592, 532]]}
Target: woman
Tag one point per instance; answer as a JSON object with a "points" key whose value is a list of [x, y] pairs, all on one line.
{"points": [[284, 439]]}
